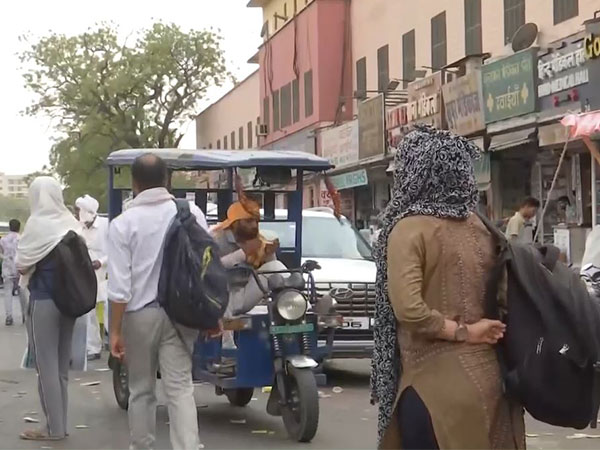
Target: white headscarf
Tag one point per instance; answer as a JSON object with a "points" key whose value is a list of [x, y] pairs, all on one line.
{"points": [[50, 220], [88, 208]]}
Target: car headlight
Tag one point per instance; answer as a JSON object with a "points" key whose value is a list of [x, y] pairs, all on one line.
{"points": [[291, 305]]}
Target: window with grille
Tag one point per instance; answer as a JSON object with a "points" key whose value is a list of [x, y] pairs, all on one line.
{"points": [[383, 68], [250, 133], [286, 105], [473, 44], [218, 144], [241, 138], [225, 146], [233, 140], [308, 94], [276, 111], [295, 100], [439, 57], [361, 77], [409, 59], [565, 10], [514, 18]]}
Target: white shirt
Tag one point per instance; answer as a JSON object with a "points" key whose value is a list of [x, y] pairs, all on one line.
{"points": [[95, 239], [135, 247]]}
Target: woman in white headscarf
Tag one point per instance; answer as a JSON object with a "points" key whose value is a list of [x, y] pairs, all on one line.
{"points": [[50, 332]]}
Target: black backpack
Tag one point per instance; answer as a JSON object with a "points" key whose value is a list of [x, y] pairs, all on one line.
{"points": [[550, 354], [193, 287], [75, 283]]}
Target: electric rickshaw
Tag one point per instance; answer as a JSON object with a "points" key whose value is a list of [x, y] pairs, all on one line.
{"points": [[277, 341]]}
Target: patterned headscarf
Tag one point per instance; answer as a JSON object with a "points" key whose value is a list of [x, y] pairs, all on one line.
{"points": [[433, 177]]}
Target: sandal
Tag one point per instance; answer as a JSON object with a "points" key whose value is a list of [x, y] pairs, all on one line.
{"points": [[38, 435]]}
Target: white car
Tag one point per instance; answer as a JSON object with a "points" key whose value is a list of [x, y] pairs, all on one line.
{"points": [[346, 265]]}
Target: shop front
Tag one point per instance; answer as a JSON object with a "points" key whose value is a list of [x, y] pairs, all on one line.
{"points": [[510, 111], [563, 80]]}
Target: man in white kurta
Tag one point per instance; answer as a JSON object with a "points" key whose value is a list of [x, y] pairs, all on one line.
{"points": [[95, 232]]}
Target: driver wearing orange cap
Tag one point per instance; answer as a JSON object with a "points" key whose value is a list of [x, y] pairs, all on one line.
{"points": [[239, 241]]}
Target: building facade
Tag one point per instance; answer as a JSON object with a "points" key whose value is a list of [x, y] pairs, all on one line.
{"points": [[348, 79], [15, 186]]}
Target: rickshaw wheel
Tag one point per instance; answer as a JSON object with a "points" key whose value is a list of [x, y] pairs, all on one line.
{"points": [[121, 385], [301, 413], [239, 397]]}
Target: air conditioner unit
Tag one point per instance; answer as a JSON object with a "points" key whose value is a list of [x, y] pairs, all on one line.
{"points": [[262, 129]]}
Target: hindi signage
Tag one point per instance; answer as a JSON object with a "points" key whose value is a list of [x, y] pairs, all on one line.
{"points": [[425, 101], [463, 102], [509, 86], [371, 130], [340, 144], [396, 125], [562, 69]]}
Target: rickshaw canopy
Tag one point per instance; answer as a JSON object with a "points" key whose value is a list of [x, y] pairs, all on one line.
{"points": [[177, 159]]}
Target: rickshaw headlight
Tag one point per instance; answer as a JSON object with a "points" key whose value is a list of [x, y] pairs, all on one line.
{"points": [[291, 305]]}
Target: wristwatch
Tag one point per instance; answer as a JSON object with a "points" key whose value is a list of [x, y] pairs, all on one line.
{"points": [[461, 334]]}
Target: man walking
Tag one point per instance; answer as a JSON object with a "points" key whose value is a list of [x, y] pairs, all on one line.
{"points": [[8, 251], [140, 330], [95, 231]]}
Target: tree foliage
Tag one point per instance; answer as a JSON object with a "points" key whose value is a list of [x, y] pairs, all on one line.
{"points": [[104, 92]]}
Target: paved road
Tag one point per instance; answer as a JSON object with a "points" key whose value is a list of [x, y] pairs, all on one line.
{"points": [[347, 419]]}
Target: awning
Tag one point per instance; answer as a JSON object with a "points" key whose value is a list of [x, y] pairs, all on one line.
{"points": [[513, 139], [483, 173]]}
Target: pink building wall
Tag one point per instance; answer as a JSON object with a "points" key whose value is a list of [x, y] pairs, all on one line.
{"points": [[317, 39]]}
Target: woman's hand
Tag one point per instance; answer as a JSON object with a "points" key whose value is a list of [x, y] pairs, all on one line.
{"points": [[486, 332]]}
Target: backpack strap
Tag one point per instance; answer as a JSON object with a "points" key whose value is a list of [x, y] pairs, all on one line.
{"points": [[183, 208]]}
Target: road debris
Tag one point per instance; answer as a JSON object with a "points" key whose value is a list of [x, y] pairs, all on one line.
{"points": [[104, 369], [337, 390], [530, 435], [90, 383], [260, 432], [267, 389], [9, 381], [238, 421], [324, 395], [81, 427], [31, 420]]}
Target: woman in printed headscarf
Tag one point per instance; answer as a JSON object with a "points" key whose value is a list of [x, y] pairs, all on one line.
{"points": [[435, 373], [50, 332]]}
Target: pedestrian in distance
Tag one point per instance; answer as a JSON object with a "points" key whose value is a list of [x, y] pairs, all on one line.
{"points": [[8, 252], [141, 333], [519, 226], [95, 233], [50, 331], [435, 373]]}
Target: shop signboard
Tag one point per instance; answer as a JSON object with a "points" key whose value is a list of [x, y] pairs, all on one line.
{"points": [[425, 101], [463, 102], [396, 125], [562, 75], [346, 201], [340, 144], [371, 130], [591, 45], [350, 179], [509, 88]]}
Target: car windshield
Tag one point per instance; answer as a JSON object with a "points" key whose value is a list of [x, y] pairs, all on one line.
{"points": [[322, 237]]}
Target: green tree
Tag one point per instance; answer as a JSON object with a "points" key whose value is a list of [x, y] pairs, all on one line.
{"points": [[13, 208], [105, 93]]}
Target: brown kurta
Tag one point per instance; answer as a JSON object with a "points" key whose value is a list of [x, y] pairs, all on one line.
{"points": [[437, 268]]}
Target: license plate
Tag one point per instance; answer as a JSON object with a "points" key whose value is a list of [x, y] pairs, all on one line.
{"points": [[291, 329], [356, 323]]}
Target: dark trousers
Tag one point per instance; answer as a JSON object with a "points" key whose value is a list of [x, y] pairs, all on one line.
{"points": [[416, 429]]}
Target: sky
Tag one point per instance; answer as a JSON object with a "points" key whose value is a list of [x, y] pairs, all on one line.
{"points": [[25, 140]]}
